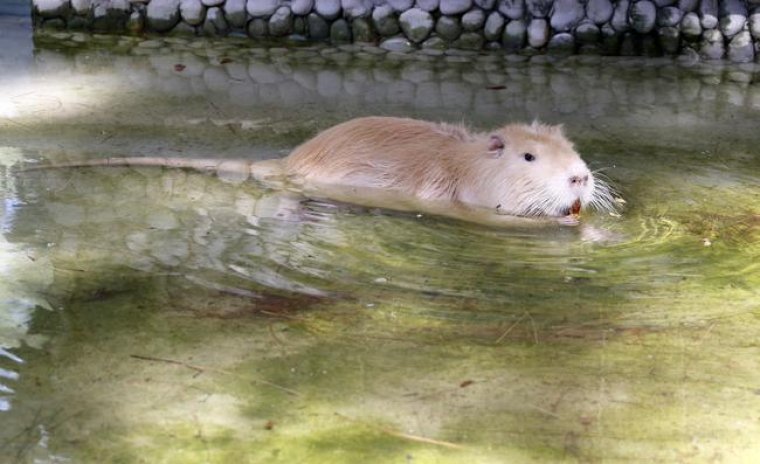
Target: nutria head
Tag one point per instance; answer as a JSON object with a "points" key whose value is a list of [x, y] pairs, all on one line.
{"points": [[535, 171]]}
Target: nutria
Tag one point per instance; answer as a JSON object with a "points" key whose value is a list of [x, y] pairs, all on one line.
{"points": [[517, 171]]}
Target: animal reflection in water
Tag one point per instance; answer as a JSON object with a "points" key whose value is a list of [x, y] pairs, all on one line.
{"points": [[516, 175]]}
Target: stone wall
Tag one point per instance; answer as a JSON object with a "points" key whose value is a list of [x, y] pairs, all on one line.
{"points": [[712, 29]]}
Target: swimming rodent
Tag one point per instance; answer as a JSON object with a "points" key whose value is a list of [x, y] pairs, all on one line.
{"points": [[516, 171]]}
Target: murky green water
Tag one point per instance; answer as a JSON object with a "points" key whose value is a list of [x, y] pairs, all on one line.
{"points": [[154, 315]]}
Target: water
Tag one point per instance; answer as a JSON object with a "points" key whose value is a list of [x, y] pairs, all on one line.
{"points": [[158, 315]]}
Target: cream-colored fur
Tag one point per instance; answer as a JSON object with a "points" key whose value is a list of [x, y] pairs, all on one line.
{"points": [[442, 162]]}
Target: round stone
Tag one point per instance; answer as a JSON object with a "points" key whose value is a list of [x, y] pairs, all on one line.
{"points": [[708, 13], [318, 27], [687, 6], [356, 8], [566, 14], [362, 31], [620, 16], [487, 5], [754, 24], [258, 28], [733, 16], [192, 11], [434, 43], [610, 40], [281, 22], [400, 6], [397, 44], [427, 5], [494, 26], [385, 20], [416, 24], [453, 7], [301, 7], [512, 9], [235, 12], [642, 16], [469, 41], [448, 28], [135, 23], [52, 8], [669, 39], [261, 8], [669, 16], [562, 44], [215, 24], [538, 33], [162, 15], [587, 32], [340, 31], [81, 7], [473, 20], [111, 16], [328, 9], [691, 28], [711, 47], [599, 11], [741, 48], [514, 35], [539, 8]]}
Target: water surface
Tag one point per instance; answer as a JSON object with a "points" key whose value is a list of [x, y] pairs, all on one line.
{"points": [[158, 315]]}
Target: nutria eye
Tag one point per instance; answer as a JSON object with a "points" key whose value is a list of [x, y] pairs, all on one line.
{"points": [[528, 157]]}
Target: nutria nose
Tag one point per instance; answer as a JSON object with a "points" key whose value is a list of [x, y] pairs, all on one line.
{"points": [[579, 180]]}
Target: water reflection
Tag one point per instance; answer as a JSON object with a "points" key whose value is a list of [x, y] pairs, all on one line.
{"points": [[519, 343]]}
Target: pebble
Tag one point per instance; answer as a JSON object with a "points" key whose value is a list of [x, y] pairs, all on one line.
{"points": [[733, 16], [356, 8], [514, 35], [473, 20], [538, 33], [642, 16], [566, 14], [599, 11], [427, 5], [301, 7], [448, 28], [235, 12], [620, 16], [454, 7], [691, 27], [162, 15], [318, 27], [512, 9], [494, 26], [397, 44], [708, 13], [281, 22], [741, 48], [416, 24], [669, 16], [261, 8], [385, 20], [340, 31]]}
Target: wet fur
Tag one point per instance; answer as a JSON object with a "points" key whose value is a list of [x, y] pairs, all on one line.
{"points": [[443, 162]]}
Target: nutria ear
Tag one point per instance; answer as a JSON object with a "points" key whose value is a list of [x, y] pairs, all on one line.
{"points": [[496, 145]]}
